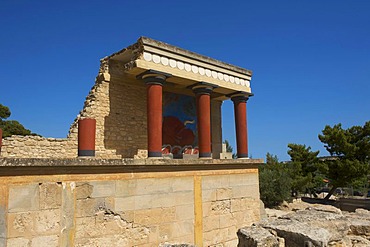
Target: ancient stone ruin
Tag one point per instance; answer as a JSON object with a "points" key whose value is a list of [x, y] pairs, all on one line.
{"points": [[309, 225], [141, 163]]}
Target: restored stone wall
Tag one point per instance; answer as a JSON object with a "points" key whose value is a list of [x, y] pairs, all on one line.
{"points": [[119, 106], [35, 146], [136, 203]]}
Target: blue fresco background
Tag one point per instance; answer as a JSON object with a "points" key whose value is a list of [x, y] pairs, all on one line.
{"points": [[183, 107]]}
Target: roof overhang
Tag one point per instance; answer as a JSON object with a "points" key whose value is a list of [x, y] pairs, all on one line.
{"points": [[186, 67]]}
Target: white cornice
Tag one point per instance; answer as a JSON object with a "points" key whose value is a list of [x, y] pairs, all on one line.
{"points": [[188, 67]]}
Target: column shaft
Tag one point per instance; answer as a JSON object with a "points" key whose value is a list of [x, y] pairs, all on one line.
{"points": [[86, 137], [154, 81], [240, 112], [154, 119], [203, 102], [241, 129]]}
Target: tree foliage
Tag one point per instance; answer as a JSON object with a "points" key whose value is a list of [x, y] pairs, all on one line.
{"points": [[4, 112], [11, 127], [348, 165], [229, 148], [275, 182], [350, 151], [304, 168]]}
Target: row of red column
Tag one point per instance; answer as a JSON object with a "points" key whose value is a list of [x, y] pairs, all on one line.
{"points": [[155, 80]]}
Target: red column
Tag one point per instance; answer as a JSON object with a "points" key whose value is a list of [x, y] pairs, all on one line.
{"points": [[154, 119], [86, 137], [203, 104], [240, 112], [154, 81]]}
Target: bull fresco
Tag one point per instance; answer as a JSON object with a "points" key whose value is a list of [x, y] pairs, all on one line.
{"points": [[179, 125]]}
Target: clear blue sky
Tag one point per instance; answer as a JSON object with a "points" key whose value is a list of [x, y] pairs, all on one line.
{"points": [[310, 59]]}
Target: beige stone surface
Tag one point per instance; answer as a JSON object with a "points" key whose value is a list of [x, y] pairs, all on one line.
{"points": [[45, 241], [23, 198], [90, 206], [47, 221], [50, 195], [21, 224], [103, 188], [18, 242], [144, 210]]}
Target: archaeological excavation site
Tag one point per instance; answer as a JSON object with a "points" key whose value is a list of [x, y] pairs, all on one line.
{"points": [[143, 163]]}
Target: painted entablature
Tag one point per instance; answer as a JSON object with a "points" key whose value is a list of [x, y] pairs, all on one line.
{"points": [[186, 67]]}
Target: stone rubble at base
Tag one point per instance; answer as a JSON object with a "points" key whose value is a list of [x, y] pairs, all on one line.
{"points": [[310, 225]]}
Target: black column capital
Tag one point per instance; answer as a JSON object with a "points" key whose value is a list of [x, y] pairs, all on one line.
{"points": [[203, 88], [151, 77], [240, 97]]}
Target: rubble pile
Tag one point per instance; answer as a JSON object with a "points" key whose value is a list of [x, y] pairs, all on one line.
{"points": [[308, 225]]}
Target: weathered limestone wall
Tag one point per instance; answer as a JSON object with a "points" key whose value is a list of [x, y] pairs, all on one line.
{"points": [[126, 203], [35, 146]]}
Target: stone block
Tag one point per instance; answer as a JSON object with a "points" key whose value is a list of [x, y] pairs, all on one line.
{"points": [[67, 220], [123, 204], [232, 233], [23, 198], [85, 228], [185, 212], [226, 156], [243, 179], [47, 221], [125, 188], [103, 188], [214, 182], [206, 208], [182, 184], [155, 216], [83, 190], [227, 220], [50, 195], [154, 201], [251, 191], [209, 238], [211, 223], [2, 223], [17, 242], [220, 207], [256, 236], [223, 194], [183, 198], [90, 206], [45, 241], [151, 186], [20, 224], [209, 195], [115, 240], [182, 228], [165, 232]]}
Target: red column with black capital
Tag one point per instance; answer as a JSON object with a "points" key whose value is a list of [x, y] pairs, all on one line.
{"points": [[154, 81], [240, 112]]}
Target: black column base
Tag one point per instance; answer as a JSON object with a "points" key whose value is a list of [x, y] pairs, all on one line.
{"points": [[82, 153]]}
